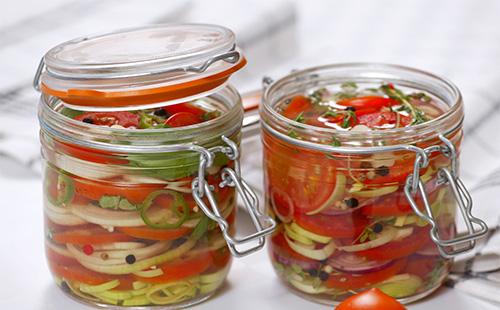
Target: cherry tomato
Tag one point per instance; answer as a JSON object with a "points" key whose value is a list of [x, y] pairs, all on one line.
{"points": [[346, 281], [297, 105], [372, 299], [368, 102], [145, 232], [398, 249], [182, 268], [336, 226], [182, 119], [122, 118], [90, 236]]}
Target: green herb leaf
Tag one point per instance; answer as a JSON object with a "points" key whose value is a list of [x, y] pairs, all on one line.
{"points": [[300, 118], [335, 142]]}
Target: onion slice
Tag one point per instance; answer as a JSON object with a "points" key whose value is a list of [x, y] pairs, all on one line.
{"points": [[387, 235], [285, 218], [317, 254], [352, 263], [336, 194]]}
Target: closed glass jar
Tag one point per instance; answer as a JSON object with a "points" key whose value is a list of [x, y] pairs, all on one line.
{"points": [[139, 198], [350, 216]]}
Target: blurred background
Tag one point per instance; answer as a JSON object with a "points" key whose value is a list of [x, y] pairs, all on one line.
{"points": [[459, 39]]}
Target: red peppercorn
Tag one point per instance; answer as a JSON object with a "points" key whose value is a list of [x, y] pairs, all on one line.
{"points": [[88, 249]]}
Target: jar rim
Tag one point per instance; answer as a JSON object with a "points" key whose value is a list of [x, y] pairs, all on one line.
{"points": [[369, 72], [124, 140]]}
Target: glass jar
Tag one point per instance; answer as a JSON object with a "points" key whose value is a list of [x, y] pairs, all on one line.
{"points": [[362, 209], [143, 217]]}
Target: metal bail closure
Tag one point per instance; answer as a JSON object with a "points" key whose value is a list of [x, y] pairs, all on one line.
{"points": [[476, 228], [264, 225]]}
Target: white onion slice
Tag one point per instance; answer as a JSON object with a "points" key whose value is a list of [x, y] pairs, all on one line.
{"points": [[337, 193], [62, 216], [318, 254], [387, 235]]}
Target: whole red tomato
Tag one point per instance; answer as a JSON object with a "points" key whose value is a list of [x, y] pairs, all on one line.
{"points": [[372, 299]]}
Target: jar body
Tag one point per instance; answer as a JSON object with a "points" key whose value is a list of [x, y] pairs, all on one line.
{"points": [[122, 228], [344, 222]]}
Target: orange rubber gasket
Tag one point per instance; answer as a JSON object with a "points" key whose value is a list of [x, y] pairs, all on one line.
{"points": [[95, 98]]}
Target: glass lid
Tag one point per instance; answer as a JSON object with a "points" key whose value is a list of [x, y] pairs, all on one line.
{"points": [[140, 67]]}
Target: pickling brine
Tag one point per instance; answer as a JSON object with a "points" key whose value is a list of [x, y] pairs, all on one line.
{"points": [[344, 221]]}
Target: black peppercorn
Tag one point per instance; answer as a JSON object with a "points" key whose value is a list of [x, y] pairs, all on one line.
{"points": [[377, 228], [130, 259], [160, 112], [351, 202], [350, 109], [382, 170], [88, 120], [323, 276], [65, 287], [313, 272]]}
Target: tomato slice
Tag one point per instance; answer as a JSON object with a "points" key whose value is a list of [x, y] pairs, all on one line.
{"points": [[297, 105], [81, 274], [182, 119], [395, 204], [94, 190], [368, 102], [145, 232], [221, 257], [55, 258], [372, 299], [420, 265], [184, 107], [92, 155], [355, 281], [182, 268], [90, 236], [398, 249], [122, 118], [379, 119], [336, 226]]}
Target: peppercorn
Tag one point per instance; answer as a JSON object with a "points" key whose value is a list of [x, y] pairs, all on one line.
{"points": [[350, 109], [65, 287], [88, 249], [88, 120], [130, 259], [351, 202], [313, 272], [160, 112], [382, 170], [323, 276], [377, 228]]}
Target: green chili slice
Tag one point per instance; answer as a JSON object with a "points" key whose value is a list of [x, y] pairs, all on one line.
{"points": [[178, 202], [65, 190]]}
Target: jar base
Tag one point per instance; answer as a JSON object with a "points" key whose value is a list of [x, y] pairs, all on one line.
{"points": [[95, 304], [329, 302]]}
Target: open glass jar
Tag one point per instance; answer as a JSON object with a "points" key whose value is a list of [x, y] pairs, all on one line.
{"points": [[140, 142], [363, 181]]}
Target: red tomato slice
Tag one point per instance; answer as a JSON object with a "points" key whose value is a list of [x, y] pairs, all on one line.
{"points": [[379, 119], [351, 282], [55, 258], [421, 265], [182, 268], [145, 232], [90, 236], [122, 118], [398, 249], [184, 107], [221, 257], [81, 274], [394, 204], [86, 154], [182, 119], [94, 190], [368, 102], [336, 226], [298, 105], [372, 299]]}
